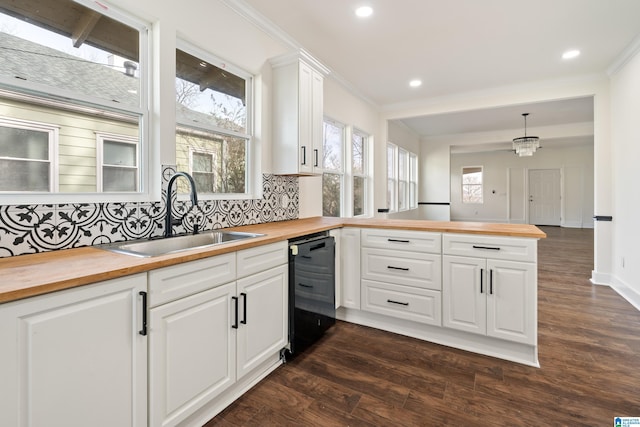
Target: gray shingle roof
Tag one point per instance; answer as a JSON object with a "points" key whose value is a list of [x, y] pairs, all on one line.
{"points": [[29, 61]]}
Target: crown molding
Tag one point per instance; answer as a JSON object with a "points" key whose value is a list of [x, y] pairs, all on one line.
{"points": [[627, 54]]}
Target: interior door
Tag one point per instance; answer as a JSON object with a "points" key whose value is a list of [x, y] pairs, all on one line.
{"points": [[544, 196]]}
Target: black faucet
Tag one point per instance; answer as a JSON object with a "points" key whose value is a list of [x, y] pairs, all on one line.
{"points": [[168, 220]]}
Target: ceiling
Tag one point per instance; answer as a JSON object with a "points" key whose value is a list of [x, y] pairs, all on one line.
{"points": [[460, 46]]}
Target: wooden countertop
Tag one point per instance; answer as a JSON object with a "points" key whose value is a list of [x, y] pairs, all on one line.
{"points": [[30, 275]]}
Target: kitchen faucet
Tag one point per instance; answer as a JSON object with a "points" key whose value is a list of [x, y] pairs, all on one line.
{"points": [[168, 220]]}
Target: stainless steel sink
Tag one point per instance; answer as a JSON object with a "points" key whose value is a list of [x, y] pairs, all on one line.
{"points": [[164, 246]]}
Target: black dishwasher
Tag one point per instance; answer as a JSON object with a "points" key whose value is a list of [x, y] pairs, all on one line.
{"points": [[312, 307]]}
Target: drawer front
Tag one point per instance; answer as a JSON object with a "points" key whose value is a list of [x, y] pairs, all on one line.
{"points": [[507, 248], [414, 241], [261, 258], [178, 281], [417, 305], [403, 268]]}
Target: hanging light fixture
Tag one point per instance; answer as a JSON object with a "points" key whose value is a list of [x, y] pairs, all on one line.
{"points": [[526, 145]]}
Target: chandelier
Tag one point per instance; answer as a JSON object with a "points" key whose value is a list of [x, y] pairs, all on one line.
{"points": [[526, 145]]}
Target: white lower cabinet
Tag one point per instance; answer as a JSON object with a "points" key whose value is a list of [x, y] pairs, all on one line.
{"points": [[490, 297], [211, 334], [75, 358], [349, 272]]}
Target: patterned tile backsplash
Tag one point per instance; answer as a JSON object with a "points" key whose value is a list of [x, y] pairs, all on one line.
{"points": [[27, 229]]}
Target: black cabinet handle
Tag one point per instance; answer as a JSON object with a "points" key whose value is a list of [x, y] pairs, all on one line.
{"points": [[491, 282], [143, 331], [244, 308], [235, 324], [491, 248], [304, 155], [305, 286], [315, 152], [399, 241], [390, 267], [397, 302], [481, 280]]}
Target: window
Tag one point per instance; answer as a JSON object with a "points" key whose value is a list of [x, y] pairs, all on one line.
{"points": [[402, 179], [392, 177], [359, 172], [472, 184], [26, 153], [332, 163], [80, 84], [413, 181], [118, 163], [213, 123]]}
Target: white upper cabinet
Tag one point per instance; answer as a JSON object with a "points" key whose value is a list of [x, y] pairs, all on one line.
{"points": [[298, 83]]}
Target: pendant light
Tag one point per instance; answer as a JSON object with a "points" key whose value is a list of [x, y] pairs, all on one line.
{"points": [[526, 145]]}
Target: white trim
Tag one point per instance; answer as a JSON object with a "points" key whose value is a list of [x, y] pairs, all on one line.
{"points": [[623, 289], [100, 138], [623, 59]]}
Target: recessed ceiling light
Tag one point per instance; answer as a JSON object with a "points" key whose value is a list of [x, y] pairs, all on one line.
{"points": [[364, 11], [415, 83], [570, 54]]}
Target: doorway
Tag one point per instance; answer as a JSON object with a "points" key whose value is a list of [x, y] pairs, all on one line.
{"points": [[544, 197]]}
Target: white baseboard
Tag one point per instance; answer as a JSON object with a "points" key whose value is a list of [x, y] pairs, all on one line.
{"points": [[622, 288]]}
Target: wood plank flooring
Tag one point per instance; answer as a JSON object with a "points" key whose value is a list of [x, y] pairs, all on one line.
{"points": [[589, 350]]}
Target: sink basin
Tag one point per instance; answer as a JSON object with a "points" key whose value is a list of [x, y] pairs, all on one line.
{"points": [[164, 246]]}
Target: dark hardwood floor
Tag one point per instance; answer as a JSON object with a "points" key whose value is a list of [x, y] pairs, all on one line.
{"points": [[589, 351]]}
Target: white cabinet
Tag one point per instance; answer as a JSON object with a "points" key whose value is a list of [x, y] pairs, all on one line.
{"points": [[485, 292], [263, 321], [212, 321], [75, 357], [298, 81], [349, 271], [401, 274]]}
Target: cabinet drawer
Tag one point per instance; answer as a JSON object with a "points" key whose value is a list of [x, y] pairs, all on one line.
{"points": [[507, 248], [403, 268], [261, 258], [414, 241], [178, 281], [417, 305]]}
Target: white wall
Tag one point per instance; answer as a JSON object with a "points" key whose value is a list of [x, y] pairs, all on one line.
{"points": [[625, 107], [505, 184]]}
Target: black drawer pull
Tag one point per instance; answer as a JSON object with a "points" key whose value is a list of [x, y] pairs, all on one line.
{"points": [[235, 302], [399, 241], [143, 331], [390, 267], [305, 286], [244, 308], [491, 248], [397, 302]]}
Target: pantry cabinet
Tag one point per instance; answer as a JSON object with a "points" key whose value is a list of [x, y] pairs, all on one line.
{"points": [[76, 358], [298, 84]]}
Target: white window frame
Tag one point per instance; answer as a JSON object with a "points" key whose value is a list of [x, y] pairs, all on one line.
{"points": [[344, 161], [100, 164], [53, 133], [193, 151], [52, 96], [403, 179], [463, 185], [392, 176], [413, 181], [365, 174], [253, 172]]}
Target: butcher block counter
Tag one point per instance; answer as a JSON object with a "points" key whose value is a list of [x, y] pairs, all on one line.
{"points": [[30, 275]]}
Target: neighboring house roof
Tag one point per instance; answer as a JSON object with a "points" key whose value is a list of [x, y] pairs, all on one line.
{"points": [[33, 62]]}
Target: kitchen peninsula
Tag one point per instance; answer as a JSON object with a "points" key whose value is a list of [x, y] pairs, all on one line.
{"points": [[158, 335]]}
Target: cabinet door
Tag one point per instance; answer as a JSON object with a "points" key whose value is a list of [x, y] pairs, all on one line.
{"points": [[192, 354], [263, 329], [350, 268], [464, 294], [306, 119], [512, 301], [317, 99], [75, 357]]}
